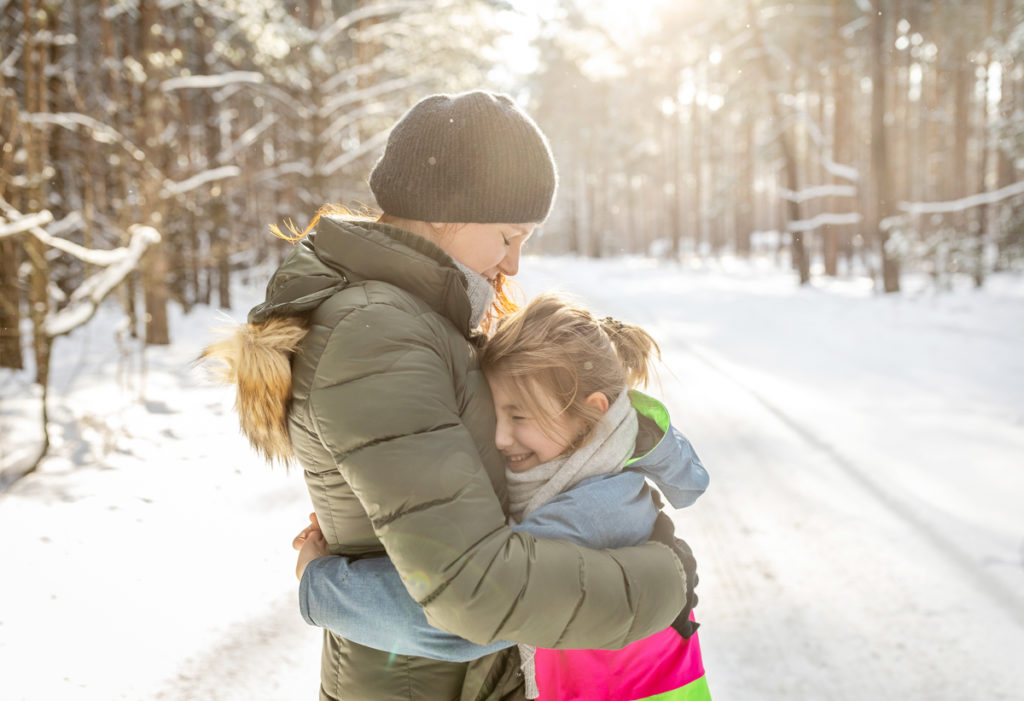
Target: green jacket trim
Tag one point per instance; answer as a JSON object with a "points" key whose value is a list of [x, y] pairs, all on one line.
{"points": [[649, 407]]}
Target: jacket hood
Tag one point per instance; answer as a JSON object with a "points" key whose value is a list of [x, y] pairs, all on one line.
{"points": [[341, 252], [256, 356], [664, 455]]}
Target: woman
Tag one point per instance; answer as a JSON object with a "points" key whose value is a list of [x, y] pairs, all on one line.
{"points": [[361, 364]]}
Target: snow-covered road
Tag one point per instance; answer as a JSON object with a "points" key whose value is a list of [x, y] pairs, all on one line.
{"points": [[861, 538]]}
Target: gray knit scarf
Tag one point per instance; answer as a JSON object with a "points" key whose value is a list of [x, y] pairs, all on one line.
{"points": [[611, 444], [480, 291]]}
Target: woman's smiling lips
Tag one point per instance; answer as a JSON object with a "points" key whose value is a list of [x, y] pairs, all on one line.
{"points": [[518, 458]]}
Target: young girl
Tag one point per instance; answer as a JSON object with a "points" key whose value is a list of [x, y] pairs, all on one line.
{"points": [[578, 443]]}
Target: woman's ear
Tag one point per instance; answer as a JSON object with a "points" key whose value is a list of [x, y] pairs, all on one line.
{"points": [[597, 400], [443, 230]]}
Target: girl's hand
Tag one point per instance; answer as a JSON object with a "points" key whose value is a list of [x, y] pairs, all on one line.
{"points": [[314, 546]]}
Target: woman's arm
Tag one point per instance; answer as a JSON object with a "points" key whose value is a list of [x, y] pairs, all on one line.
{"points": [[383, 404], [365, 601]]}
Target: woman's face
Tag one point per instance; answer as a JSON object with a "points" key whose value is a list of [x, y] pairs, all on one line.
{"points": [[518, 434], [487, 249]]}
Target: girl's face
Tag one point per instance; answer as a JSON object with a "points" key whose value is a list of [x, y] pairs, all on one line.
{"points": [[518, 434], [487, 249]]}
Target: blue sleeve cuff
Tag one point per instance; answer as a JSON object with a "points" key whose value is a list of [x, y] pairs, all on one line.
{"points": [[674, 467], [366, 602]]}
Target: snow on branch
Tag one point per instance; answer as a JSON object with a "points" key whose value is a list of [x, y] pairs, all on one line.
{"points": [[381, 9], [344, 159], [347, 98], [52, 238], [247, 138], [24, 223], [212, 81], [123, 6], [963, 203], [88, 296], [173, 189], [116, 263], [347, 76], [810, 193], [291, 168], [814, 131], [823, 219], [102, 133], [839, 170], [92, 256], [346, 119]]}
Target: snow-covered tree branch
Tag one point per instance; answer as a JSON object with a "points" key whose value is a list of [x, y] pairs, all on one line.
{"points": [[206, 82], [24, 223], [85, 300]]}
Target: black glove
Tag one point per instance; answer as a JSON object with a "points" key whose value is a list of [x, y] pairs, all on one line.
{"points": [[664, 532]]}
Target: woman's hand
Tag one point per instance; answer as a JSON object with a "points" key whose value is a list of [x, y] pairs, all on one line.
{"points": [[300, 539], [311, 544]]}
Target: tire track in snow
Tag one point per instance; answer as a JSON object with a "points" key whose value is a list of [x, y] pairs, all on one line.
{"points": [[273, 655], [992, 587]]}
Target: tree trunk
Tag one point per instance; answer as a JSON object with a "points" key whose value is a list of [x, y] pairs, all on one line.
{"points": [[154, 272], [798, 253], [10, 292], [837, 237], [696, 156], [981, 235], [882, 195], [10, 306], [35, 101], [676, 179], [745, 205]]}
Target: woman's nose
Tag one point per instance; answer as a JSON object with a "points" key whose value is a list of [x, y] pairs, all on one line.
{"points": [[510, 263]]}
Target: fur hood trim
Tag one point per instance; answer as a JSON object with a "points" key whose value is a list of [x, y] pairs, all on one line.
{"points": [[257, 359]]}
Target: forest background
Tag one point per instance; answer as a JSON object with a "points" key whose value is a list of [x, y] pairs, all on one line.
{"points": [[147, 145]]}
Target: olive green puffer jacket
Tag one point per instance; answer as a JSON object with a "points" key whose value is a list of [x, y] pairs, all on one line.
{"points": [[392, 422]]}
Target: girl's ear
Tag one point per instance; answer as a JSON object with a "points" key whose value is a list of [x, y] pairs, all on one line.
{"points": [[597, 400]]}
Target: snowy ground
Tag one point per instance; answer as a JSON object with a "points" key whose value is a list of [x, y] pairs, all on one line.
{"points": [[862, 536]]}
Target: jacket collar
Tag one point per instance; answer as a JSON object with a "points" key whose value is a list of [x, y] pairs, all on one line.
{"points": [[341, 251]]}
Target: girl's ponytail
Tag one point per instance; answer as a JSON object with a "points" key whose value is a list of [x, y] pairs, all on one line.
{"points": [[634, 347]]}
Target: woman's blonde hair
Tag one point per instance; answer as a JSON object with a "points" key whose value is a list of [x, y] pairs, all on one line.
{"points": [[504, 290], [557, 347]]}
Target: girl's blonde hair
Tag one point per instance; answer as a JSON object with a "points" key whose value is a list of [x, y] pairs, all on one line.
{"points": [[554, 346]]}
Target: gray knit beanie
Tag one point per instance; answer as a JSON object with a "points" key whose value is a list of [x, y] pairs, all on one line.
{"points": [[474, 157]]}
